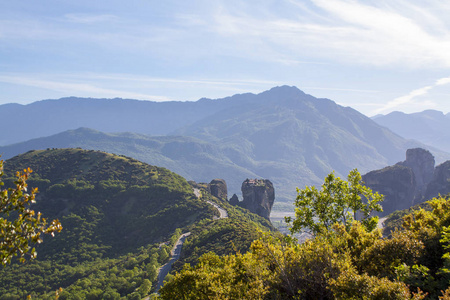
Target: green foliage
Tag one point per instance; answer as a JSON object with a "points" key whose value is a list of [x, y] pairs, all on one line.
{"points": [[101, 278], [223, 236], [384, 255], [110, 206], [395, 220], [344, 260], [338, 201], [431, 229], [116, 213], [21, 227], [351, 285], [229, 277]]}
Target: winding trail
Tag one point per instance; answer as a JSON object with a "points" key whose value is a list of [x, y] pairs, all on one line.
{"points": [[223, 213], [174, 256], [176, 250]]}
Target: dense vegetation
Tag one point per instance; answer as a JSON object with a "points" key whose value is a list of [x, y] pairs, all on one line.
{"points": [[114, 210], [348, 260], [395, 220], [223, 236], [21, 227], [120, 218]]}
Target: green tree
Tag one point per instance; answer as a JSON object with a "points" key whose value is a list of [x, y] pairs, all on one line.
{"points": [[337, 201], [19, 225], [229, 277]]}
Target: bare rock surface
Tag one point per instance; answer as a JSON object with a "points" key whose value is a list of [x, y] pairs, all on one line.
{"points": [[259, 196]]}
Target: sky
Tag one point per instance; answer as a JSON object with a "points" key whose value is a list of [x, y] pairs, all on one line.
{"points": [[375, 56]]}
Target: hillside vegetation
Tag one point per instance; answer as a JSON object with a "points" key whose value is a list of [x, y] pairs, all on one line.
{"points": [[116, 212], [343, 259]]}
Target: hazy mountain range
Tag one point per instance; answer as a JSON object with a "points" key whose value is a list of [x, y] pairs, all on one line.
{"points": [[283, 134], [430, 127]]}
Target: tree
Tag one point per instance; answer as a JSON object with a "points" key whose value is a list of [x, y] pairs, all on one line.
{"points": [[337, 201], [19, 225]]}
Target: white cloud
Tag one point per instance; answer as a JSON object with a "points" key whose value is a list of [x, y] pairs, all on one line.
{"points": [[110, 85], [411, 99], [77, 89], [443, 81], [346, 31], [382, 33]]}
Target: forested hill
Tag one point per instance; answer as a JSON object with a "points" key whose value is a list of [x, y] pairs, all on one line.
{"points": [[120, 218], [129, 203]]}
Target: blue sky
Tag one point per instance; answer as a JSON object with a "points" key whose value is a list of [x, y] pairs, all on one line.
{"points": [[375, 56]]}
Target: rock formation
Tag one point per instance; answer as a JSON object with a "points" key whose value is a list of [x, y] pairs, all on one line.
{"points": [[259, 196], [218, 188], [421, 162], [397, 183], [409, 182], [234, 200], [440, 183]]}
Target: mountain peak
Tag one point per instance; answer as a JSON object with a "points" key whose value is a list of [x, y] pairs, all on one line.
{"points": [[431, 113], [284, 90]]}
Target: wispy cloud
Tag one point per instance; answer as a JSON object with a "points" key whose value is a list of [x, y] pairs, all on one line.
{"points": [[77, 89], [412, 97], [381, 33], [110, 85], [347, 31], [149, 79]]}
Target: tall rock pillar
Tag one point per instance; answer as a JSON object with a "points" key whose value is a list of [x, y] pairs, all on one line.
{"points": [[259, 196]]}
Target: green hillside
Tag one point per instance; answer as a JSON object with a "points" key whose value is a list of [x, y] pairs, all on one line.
{"points": [[115, 212]]}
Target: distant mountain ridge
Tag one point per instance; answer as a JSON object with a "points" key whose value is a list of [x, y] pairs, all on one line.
{"points": [[190, 157], [282, 134], [430, 127]]}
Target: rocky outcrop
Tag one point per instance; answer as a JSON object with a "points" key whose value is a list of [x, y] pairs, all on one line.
{"points": [[234, 200], [409, 182], [258, 196], [397, 184], [421, 162], [218, 188], [440, 185]]}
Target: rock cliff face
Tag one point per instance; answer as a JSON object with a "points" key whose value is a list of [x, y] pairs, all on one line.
{"points": [[441, 181], [397, 183], [410, 182], [421, 162], [218, 188], [259, 196]]}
